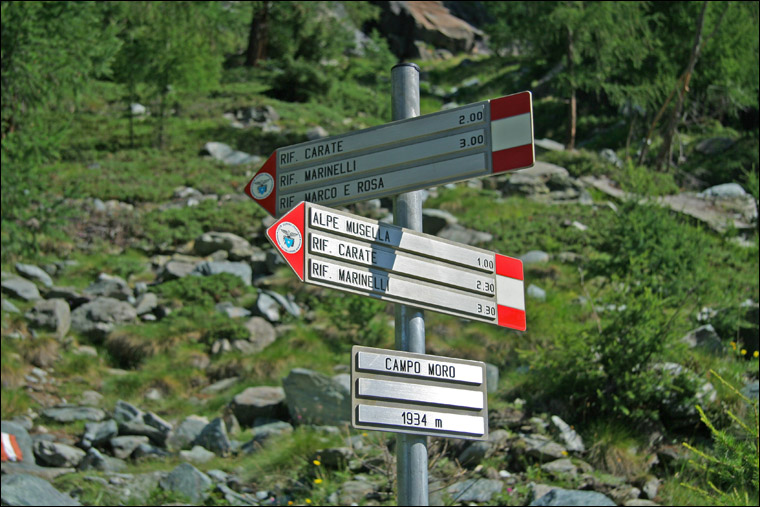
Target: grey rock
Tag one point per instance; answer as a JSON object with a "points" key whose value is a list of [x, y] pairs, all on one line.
{"points": [[263, 432], [25, 489], [313, 398], [98, 433], [23, 440], [567, 497], [704, 337], [549, 145], [123, 446], [568, 435], [214, 438], [433, 220], [315, 133], [153, 420], [751, 390], [611, 157], [256, 402], [71, 413], [54, 454], [240, 269], [189, 481], [353, 492], [146, 303], [560, 467], [34, 273], [197, 454], [51, 314], [70, 294], [139, 428], [460, 234], [20, 288], [714, 145], [111, 287], [492, 377], [126, 412], [245, 347], [724, 191], [221, 346], [542, 447], [474, 490], [137, 109], [262, 332], [154, 394], [535, 257], [219, 386], [288, 303], [95, 460], [267, 306], [9, 307], [224, 153], [98, 317], [480, 450], [232, 311], [175, 269], [235, 498], [210, 242], [536, 292], [186, 432], [148, 450], [651, 487], [88, 350]]}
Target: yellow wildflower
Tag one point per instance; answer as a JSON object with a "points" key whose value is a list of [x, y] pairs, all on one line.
{"points": [[308, 500], [744, 352], [564, 453], [317, 481], [733, 345], [754, 354], [290, 502], [317, 462]]}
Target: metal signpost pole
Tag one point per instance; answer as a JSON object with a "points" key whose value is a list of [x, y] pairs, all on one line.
{"points": [[412, 452]]}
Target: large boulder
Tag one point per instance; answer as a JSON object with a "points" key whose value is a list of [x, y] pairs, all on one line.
{"points": [[51, 314], [54, 454], [214, 438], [34, 273], [259, 402], [474, 490], [98, 433], [240, 269], [111, 287], [314, 398], [567, 497], [25, 489], [71, 413], [210, 242], [23, 440], [21, 288], [187, 480], [98, 317], [186, 432], [406, 23], [224, 153]]}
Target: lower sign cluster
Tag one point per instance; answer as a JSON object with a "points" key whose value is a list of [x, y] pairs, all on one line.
{"points": [[405, 392]]}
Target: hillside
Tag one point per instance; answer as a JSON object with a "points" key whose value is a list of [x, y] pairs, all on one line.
{"points": [[156, 349]]}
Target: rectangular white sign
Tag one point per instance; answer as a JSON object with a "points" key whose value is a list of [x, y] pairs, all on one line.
{"points": [[418, 393]]}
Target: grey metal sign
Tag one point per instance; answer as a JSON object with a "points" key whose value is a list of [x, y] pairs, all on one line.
{"points": [[343, 251], [479, 139], [422, 394]]}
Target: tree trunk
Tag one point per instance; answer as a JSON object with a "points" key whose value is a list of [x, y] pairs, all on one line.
{"points": [[663, 159], [258, 37], [573, 110]]}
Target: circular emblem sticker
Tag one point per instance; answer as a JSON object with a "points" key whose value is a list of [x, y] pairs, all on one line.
{"points": [[288, 237], [262, 185]]}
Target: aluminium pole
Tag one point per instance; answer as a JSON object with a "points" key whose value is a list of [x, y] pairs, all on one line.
{"points": [[411, 450]]}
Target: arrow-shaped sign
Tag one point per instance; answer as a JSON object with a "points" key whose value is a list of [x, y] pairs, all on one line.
{"points": [[479, 139], [355, 254]]}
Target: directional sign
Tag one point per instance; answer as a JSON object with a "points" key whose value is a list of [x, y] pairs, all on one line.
{"points": [[336, 249], [405, 392], [480, 139]]}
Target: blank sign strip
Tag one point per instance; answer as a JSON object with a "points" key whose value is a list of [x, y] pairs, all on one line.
{"points": [[429, 368], [421, 419], [401, 391]]}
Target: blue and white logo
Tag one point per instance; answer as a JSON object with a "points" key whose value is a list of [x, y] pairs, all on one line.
{"points": [[262, 185], [288, 237]]}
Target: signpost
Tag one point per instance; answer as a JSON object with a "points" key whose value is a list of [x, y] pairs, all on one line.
{"points": [[418, 394], [347, 252], [479, 139]]}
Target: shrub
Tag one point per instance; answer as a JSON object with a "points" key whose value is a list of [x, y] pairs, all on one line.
{"points": [[203, 290], [728, 473]]}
